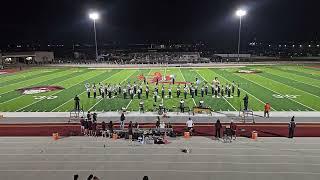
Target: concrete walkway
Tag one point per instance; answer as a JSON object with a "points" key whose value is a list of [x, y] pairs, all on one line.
{"points": [[58, 117]]}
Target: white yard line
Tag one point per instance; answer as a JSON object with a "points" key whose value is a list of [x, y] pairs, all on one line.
{"points": [[120, 83], [25, 95], [222, 96], [291, 86], [141, 92], [194, 102], [288, 77], [34, 83], [55, 92], [248, 93], [280, 93], [80, 94]]}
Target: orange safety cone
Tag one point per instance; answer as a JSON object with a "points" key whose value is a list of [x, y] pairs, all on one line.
{"points": [[254, 135], [114, 136], [186, 135], [55, 136]]}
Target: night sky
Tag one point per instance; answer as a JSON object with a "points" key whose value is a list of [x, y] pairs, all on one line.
{"points": [[138, 21]]}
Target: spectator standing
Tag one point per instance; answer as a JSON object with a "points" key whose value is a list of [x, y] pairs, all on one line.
{"points": [[292, 126], [190, 124], [122, 119], [218, 127], [76, 103], [86, 127], [130, 132], [75, 177], [89, 116], [110, 127], [267, 108], [90, 127], [94, 117], [94, 129], [103, 129], [246, 102], [82, 125], [233, 128]]}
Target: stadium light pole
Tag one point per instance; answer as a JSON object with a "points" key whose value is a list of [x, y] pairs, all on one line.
{"points": [[240, 13], [95, 16]]}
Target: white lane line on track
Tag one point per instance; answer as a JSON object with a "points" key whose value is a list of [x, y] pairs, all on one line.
{"points": [[165, 162], [159, 170], [279, 93], [128, 147], [153, 154]]}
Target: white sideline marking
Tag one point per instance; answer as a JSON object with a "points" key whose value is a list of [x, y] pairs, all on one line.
{"points": [[222, 96], [55, 92], [165, 162], [279, 93], [159, 170]]}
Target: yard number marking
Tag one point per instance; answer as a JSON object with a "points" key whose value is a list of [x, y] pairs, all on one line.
{"points": [[44, 97]]}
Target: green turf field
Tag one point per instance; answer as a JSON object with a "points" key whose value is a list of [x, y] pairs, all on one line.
{"points": [[287, 88]]}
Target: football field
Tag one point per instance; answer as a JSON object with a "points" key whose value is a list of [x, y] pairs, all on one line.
{"points": [[46, 89]]}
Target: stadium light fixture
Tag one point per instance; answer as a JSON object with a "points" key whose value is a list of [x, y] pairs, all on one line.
{"points": [[240, 13], [95, 16]]}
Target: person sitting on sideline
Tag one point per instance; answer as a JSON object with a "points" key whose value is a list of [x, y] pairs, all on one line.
{"points": [[190, 124], [218, 127]]}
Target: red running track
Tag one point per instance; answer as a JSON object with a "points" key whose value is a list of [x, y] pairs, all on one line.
{"points": [[201, 129]]}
